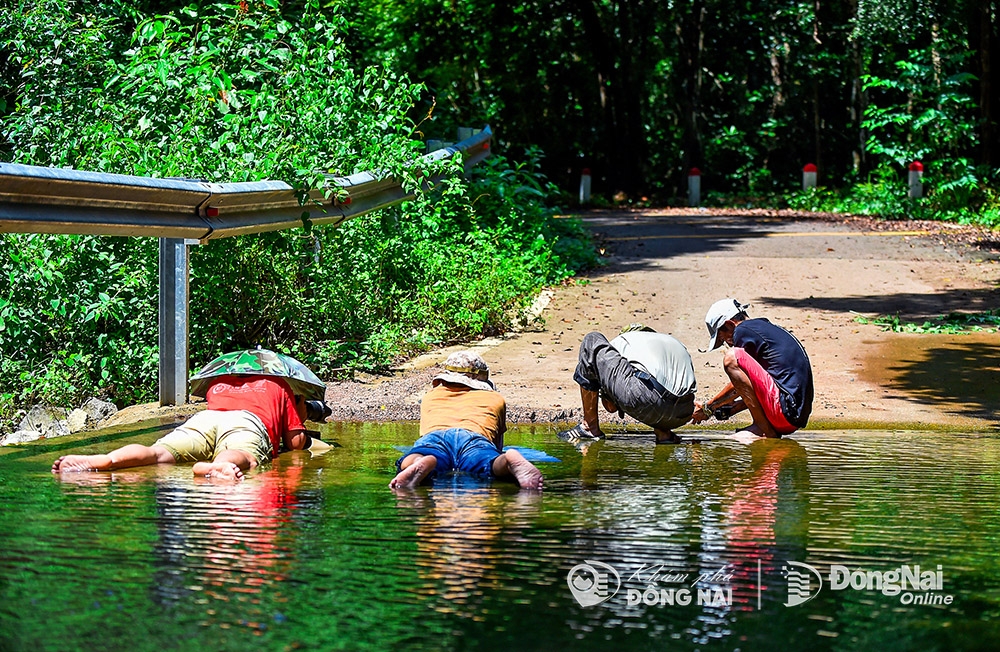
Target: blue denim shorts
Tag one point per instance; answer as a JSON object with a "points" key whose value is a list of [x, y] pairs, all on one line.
{"points": [[456, 449]]}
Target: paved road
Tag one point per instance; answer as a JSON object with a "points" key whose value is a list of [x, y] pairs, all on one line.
{"points": [[810, 276]]}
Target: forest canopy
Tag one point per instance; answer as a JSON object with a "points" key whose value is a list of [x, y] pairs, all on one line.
{"points": [[748, 92]]}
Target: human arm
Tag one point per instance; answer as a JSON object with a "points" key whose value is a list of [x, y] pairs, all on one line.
{"points": [[296, 437], [296, 440], [728, 396], [591, 420], [735, 407]]}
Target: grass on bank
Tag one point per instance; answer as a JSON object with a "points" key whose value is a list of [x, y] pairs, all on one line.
{"points": [[951, 324]]}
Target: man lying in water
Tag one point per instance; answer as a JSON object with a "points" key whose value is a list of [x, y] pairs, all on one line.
{"points": [[462, 423], [248, 420]]}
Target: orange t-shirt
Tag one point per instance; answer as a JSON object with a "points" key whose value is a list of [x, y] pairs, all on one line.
{"points": [[457, 406]]}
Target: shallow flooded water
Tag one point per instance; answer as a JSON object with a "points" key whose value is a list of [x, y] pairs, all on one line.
{"points": [[697, 546]]}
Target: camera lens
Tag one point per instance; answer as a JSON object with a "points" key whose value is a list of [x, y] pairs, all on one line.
{"points": [[317, 411]]}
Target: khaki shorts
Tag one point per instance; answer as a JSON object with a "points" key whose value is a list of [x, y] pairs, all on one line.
{"points": [[210, 432]]}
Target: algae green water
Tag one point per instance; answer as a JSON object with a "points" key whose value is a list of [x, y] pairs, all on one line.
{"points": [[697, 546]]}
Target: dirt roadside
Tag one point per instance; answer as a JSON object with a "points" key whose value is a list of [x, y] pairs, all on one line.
{"points": [[809, 273], [813, 274]]}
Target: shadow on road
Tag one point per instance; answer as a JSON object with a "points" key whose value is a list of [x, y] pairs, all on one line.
{"points": [[642, 242], [908, 305]]}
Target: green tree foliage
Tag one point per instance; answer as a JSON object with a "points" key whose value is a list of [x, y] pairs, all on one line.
{"points": [[749, 92], [921, 103], [244, 92], [927, 95], [223, 93]]}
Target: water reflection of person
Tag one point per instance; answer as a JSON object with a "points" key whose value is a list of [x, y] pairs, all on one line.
{"points": [[460, 533], [590, 461], [767, 516], [220, 543]]}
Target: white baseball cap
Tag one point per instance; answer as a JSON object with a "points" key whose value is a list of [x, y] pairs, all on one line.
{"points": [[720, 312]]}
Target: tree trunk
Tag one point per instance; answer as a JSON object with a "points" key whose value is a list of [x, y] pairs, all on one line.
{"points": [[983, 38], [817, 128], [690, 38], [610, 40], [817, 118], [859, 99]]}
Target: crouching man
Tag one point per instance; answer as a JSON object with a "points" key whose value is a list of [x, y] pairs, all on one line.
{"points": [[768, 369], [644, 374]]}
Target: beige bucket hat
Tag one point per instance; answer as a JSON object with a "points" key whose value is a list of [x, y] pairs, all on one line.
{"points": [[466, 368]]}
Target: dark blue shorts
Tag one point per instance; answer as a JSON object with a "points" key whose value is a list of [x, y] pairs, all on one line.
{"points": [[456, 449]]}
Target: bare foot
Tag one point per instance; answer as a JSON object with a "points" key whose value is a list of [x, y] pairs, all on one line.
{"points": [[73, 463], [526, 474], [666, 437], [414, 474], [221, 470], [748, 435]]}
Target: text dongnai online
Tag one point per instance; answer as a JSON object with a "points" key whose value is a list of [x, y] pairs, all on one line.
{"points": [[903, 580]]}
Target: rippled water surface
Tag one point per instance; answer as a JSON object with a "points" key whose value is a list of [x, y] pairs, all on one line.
{"points": [[315, 553]]}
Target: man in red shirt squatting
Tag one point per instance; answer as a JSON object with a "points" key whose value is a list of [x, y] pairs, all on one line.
{"points": [[247, 421], [768, 369]]}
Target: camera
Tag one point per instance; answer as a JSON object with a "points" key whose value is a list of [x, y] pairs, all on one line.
{"points": [[317, 411], [722, 413]]}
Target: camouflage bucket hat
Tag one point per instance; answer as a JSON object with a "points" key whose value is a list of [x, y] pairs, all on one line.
{"points": [[466, 368]]}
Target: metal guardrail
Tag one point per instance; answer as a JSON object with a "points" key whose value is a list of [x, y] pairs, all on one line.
{"points": [[185, 212], [54, 200]]}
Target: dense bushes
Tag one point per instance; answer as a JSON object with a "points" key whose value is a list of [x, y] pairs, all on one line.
{"points": [[244, 93], [966, 195], [953, 191]]}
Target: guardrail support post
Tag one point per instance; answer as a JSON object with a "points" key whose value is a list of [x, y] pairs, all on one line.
{"points": [[173, 321]]}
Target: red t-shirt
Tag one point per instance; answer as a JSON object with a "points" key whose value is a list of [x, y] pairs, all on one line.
{"points": [[269, 397]]}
